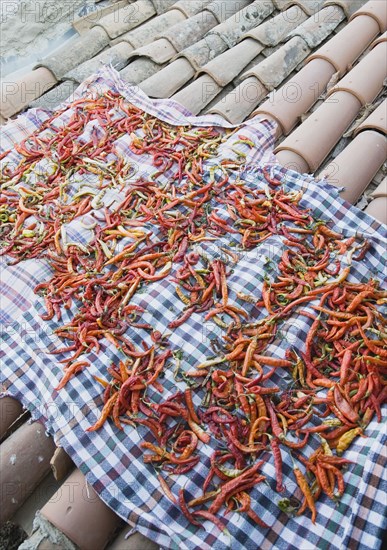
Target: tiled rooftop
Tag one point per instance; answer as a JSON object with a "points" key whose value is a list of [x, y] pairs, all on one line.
{"points": [[317, 67]]}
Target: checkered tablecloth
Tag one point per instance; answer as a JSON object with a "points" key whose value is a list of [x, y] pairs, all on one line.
{"points": [[111, 459]]}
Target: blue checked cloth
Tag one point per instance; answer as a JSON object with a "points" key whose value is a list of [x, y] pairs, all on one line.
{"points": [[111, 459]]}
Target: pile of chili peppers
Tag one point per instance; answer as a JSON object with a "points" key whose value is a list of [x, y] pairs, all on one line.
{"points": [[153, 233]]}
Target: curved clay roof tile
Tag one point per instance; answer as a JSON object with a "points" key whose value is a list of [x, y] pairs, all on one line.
{"points": [[365, 81], [54, 97], [223, 10], [198, 94], [344, 48], [191, 30], [191, 7], [225, 67], [381, 190], [356, 166], [297, 96], [240, 102], [203, 51], [161, 6], [140, 69], [160, 51], [375, 9], [376, 121], [378, 209], [248, 18], [276, 29], [17, 95], [316, 29], [167, 81], [148, 31], [76, 506], [74, 52], [349, 6], [10, 410], [126, 18], [84, 23], [382, 38], [279, 65], [25, 457], [309, 6], [320, 132], [117, 56]]}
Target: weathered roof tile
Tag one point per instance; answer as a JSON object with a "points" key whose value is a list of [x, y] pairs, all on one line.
{"points": [[161, 6], [349, 6], [223, 10], [127, 17], [240, 102], [191, 7], [117, 56], [273, 31], [225, 67], [169, 80], [83, 24], [140, 69], [191, 30], [74, 52], [198, 94], [248, 18], [203, 51], [56, 96], [148, 31], [316, 29], [160, 51], [17, 95], [309, 6], [280, 64]]}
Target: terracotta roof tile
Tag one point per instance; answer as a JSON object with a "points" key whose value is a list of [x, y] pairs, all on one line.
{"points": [[10, 410], [83, 24], [17, 95], [189, 31], [117, 56], [225, 67], [366, 80], [276, 29], [249, 17], [191, 7], [343, 49], [160, 51], [127, 17], [169, 80], [140, 69], [76, 51], [81, 515], [381, 190], [55, 96], [223, 10], [356, 166], [145, 33], [316, 29], [280, 64], [309, 6], [375, 9], [376, 121], [378, 209], [240, 102], [161, 6], [25, 460], [349, 6]]}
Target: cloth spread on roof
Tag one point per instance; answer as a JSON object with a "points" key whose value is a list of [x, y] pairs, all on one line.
{"points": [[112, 459]]}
